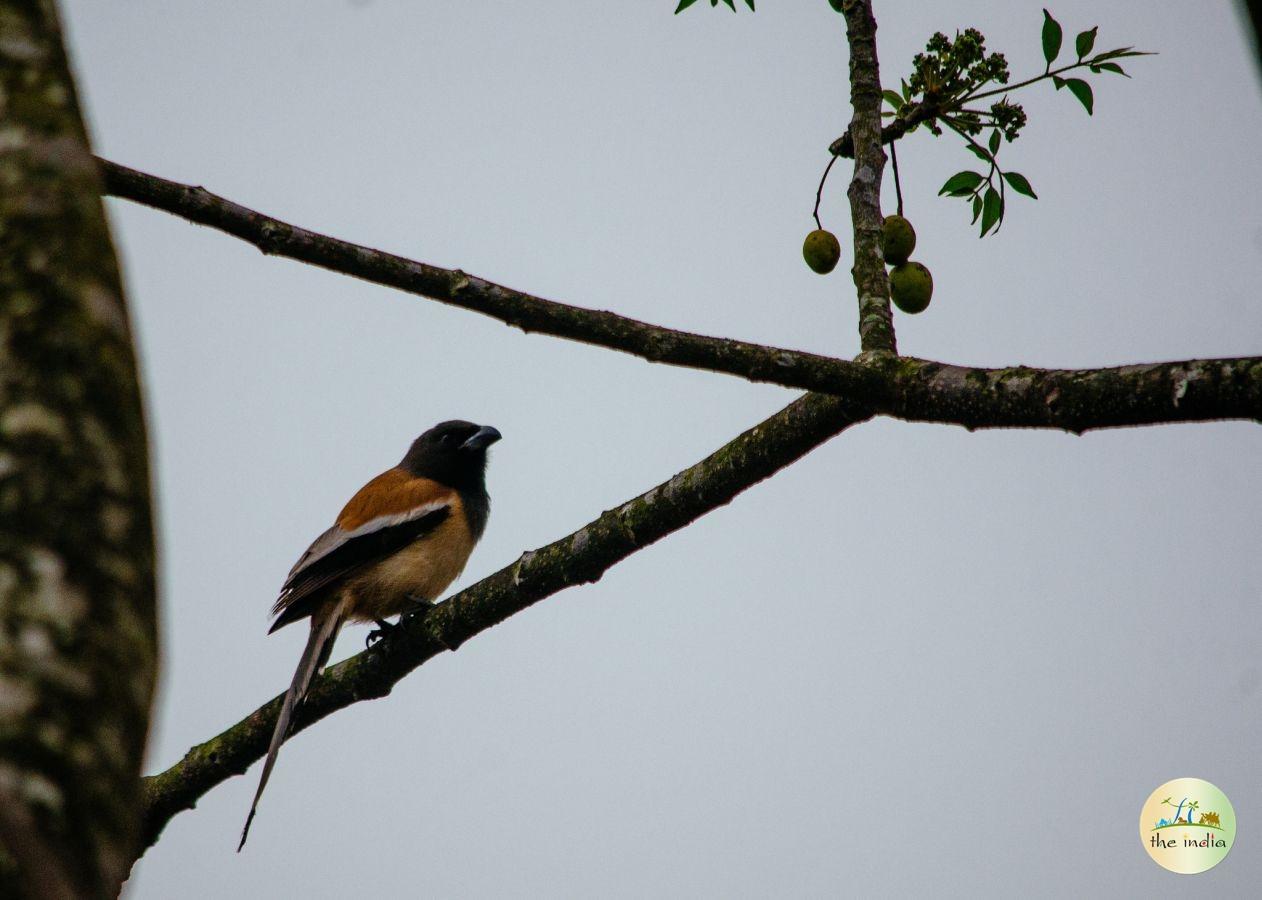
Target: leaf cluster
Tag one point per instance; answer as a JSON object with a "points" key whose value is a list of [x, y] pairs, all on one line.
{"points": [[953, 75], [951, 70], [1084, 43]]}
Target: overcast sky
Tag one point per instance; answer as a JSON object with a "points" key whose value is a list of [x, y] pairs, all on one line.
{"points": [[919, 662]]}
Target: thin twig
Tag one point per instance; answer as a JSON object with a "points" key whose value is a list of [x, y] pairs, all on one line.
{"points": [[909, 119], [994, 168], [819, 192], [898, 187], [1008, 88]]}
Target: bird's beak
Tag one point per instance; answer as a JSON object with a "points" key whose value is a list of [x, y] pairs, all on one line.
{"points": [[482, 438]]}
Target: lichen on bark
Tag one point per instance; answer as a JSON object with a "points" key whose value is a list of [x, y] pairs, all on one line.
{"points": [[77, 633], [876, 322]]}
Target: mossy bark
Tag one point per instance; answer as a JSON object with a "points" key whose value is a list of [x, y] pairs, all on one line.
{"points": [[77, 606]]}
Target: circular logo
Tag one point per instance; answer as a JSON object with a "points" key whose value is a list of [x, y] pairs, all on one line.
{"points": [[1187, 826]]}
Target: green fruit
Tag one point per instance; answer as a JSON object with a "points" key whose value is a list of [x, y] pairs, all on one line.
{"points": [[911, 286], [898, 239], [821, 251]]}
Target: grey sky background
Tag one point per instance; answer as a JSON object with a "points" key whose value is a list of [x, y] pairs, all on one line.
{"points": [[919, 662]]}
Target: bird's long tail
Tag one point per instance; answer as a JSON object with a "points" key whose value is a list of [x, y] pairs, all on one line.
{"points": [[324, 627]]}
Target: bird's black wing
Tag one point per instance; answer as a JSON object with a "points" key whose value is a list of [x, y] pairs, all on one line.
{"points": [[339, 552]]}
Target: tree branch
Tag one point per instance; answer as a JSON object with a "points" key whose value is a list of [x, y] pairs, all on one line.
{"points": [[917, 113], [922, 390], [876, 322], [756, 362], [579, 558], [1076, 400]]}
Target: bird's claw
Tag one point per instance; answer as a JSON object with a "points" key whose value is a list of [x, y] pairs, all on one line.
{"points": [[419, 608], [382, 630]]}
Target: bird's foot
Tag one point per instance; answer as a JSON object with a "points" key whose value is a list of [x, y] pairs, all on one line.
{"points": [[382, 630], [418, 607]]}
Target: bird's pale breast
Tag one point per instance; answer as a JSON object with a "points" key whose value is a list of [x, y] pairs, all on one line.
{"points": [[422, 570]]}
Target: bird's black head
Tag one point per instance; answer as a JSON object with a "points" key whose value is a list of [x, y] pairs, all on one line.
{"points": [[452, 453]]}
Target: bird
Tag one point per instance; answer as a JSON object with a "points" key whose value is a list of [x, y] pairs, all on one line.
{"points": [[396, 546]]}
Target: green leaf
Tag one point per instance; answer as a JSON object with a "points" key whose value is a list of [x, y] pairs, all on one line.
{"points": [[991, 210], [1109, 67], [683, 4], [731, 4], [994, 142], [906, 90], [893, 99], [1058, 81], [1120, 53], [751, 5], [978, 152], [836, 5], [1085, 41], [1052, 36], [1082, 91], [1020, 184], [961, 184], [977, 209]]}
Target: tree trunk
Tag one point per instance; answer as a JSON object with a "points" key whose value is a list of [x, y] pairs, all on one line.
{"points": [[78, 646]]}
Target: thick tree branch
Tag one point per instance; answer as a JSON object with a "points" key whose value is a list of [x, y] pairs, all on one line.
{"points": [[579, 558], [1075, 400], [78, 643], [790, 368], [907, 388], [876, 322]]}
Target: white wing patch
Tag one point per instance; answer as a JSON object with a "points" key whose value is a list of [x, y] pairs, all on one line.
{"points": [[336, 536]]}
